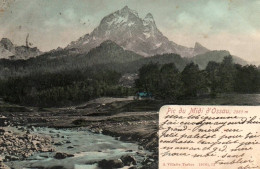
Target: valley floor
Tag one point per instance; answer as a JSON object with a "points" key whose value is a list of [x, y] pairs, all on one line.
{"points": [[122, 118], [125, 119]]}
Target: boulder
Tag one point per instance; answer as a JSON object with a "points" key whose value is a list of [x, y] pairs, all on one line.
{"points": [[11, 158], [2, 130], [110, 164], [3, 166], [57, 167], [60, 155], [58, 144], [68, 141], [128, 160], [133, 167]]}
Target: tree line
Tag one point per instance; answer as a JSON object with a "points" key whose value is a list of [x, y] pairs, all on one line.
{"points": [[164, 81], [167, 82], [61, 89]]}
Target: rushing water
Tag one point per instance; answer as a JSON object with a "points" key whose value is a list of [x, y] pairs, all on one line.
{"points": [[88, 148]]}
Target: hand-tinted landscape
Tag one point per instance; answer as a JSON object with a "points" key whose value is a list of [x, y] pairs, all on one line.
{"points": [[94, 103]]}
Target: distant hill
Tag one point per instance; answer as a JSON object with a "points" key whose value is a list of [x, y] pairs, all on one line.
{"points": [[107, 53], [216, 56], [179, 62]]}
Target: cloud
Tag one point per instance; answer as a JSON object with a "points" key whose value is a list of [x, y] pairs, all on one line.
{"points": [[213, 17], [70, 14]]}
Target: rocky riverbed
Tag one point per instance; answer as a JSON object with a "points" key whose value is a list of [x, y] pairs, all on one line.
{"points": [[103, 133], [68, 148], [19, 145]]}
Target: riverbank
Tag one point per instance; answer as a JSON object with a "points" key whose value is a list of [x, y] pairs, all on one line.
{"points": [[100, 117]]}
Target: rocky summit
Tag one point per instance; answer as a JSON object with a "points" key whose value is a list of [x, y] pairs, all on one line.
{"points": [[133, 33], [8, 50]]}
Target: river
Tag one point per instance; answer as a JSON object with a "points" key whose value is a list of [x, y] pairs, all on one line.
{"points": [[88, 148]]}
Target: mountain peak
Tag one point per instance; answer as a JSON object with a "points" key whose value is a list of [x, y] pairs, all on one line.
{"points": [[6, 43], [198, 49], [197, 44], [149, 20], [127, 10], [9, 50], [3, 40], [129, 31], [149, 16]]}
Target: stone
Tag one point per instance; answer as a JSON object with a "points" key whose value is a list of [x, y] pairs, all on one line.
{"points": [[97, 130], [110, 164], [57, 167], [140, 148], [11, 158], [44, 156], [58, 144], [3, 166], [133, 167], [128, 160], [60, 155], [2, 130]]}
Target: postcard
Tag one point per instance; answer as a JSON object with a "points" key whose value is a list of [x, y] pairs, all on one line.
{"points": [[104, 84]]}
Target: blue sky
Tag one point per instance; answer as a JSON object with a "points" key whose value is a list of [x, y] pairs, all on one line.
{"points": [[232, 25]]}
